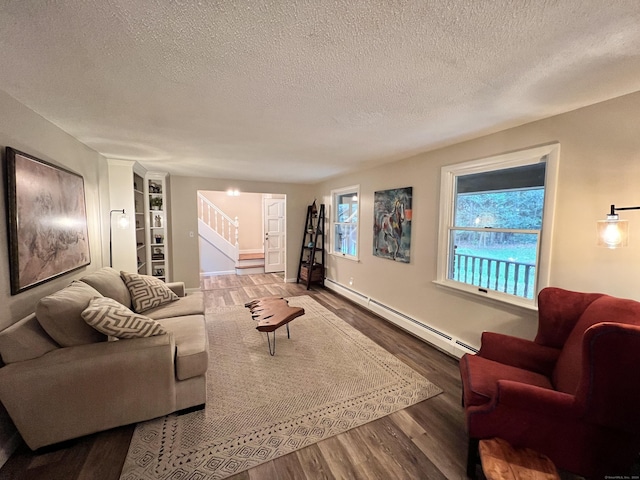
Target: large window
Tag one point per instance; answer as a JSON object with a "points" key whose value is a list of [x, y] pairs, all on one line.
{"points": [[345, 221], [495, 227]]}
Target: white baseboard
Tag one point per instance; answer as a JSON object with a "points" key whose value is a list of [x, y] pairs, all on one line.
{"points": [[441, 340]]}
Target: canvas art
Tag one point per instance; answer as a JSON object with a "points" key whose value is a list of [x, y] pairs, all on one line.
{"points": [[47, 221], [392, 224]]}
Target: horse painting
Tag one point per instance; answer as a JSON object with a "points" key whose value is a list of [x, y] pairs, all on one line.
{"points": [[392, 224]]}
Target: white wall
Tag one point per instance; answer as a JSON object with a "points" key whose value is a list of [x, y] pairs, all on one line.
{"points": [[599, 165]]}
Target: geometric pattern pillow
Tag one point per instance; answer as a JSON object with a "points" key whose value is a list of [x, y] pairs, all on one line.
{"points": [[112, 318], [146, 291]]}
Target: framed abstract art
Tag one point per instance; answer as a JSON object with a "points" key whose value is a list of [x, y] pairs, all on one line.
{"points": [[47, 220]]}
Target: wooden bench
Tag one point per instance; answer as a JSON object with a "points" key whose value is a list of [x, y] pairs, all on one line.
{"points": [[501, 461], [271, 313]]}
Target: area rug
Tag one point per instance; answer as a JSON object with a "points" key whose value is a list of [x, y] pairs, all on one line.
{"points": [[326, 379]]}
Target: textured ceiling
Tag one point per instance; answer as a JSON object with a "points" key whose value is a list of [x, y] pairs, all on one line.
{"points": [[304, 90]]}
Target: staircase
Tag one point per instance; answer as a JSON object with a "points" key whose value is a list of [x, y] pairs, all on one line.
{"points": [[221, 232], [250, 264]]}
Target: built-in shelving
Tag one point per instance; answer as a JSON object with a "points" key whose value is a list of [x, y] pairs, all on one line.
{"points": [[139, 219], [157, 225]]}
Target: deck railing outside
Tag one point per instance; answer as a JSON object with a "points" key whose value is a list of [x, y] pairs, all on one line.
{"points": [[508, 276]]}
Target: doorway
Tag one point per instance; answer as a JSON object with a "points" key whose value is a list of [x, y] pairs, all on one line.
{"points": [[243, 233]]}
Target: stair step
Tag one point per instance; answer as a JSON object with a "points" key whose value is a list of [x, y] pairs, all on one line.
{"points": [[255, 265], [249, 269], [251, 256]]}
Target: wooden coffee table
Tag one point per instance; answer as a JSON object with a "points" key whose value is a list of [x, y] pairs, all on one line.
{"points": [[271, 313]]}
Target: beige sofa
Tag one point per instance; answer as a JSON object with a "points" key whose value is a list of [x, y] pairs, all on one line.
{"points": [[63, 379]]}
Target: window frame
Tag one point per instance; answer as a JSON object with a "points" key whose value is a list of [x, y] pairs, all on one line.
{"points": [[448, 176], [350, 190]]}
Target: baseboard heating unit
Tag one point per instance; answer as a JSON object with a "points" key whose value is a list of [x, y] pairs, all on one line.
{"points": [[441, 340]]}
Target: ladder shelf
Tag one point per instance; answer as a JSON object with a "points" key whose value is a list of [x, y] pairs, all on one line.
{"points": [[312, 256]]}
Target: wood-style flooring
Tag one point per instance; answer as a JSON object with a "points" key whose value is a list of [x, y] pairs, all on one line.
{"points": [[424, 441]]}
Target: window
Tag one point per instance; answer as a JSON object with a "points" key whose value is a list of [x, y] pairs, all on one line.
{"points": [[496, 217], [345, 221]]}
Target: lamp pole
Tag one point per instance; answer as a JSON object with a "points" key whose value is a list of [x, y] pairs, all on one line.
{"points": [[111, 235]]}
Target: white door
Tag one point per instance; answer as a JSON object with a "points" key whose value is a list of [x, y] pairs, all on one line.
{"points": [[274, 235]]}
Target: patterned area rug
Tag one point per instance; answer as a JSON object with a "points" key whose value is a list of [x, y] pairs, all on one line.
{"points": [[326, 379]]}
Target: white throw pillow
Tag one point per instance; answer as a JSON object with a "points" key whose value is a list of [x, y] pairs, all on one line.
{"points": [[146, 291], [114, 319]]}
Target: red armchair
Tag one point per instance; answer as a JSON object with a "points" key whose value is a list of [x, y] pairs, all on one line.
{"points": [[572, 394]]}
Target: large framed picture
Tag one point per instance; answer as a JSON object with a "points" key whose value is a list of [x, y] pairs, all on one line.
{"points": [[392, 224], [47, 221]]}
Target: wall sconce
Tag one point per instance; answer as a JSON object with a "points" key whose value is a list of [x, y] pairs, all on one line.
{"points": [[122, 223], [613, 232], [233, 192]]}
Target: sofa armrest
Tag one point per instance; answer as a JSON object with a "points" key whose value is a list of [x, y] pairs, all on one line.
{"points": [[178, 288], [74, 391], [518, 352]]}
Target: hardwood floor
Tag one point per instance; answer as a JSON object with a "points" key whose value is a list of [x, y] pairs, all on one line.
{"points": [[424, 441]]}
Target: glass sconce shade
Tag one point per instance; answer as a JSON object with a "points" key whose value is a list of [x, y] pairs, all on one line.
{"points": [[613, 232], [122, 221]]}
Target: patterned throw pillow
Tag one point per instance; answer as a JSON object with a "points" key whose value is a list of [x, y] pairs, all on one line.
{"points": [[112, 318], [146, 291]]}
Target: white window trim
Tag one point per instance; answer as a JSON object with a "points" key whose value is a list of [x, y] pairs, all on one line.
{"points": [[499, 162], [334, 209]]}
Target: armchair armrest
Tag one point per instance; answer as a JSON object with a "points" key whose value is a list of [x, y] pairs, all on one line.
{"points": [[178, 288], [74, 391], [534, 399], [518, 352]]}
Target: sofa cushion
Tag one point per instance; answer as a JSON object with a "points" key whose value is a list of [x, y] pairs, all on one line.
{"points": [[109, 283], [192, 346], [25, 340], [60, 314], [480, 378], [112, 318], [146, 291], [192, 304]]}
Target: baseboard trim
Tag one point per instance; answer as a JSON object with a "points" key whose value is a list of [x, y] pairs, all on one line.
{"points": [[435, 337]]}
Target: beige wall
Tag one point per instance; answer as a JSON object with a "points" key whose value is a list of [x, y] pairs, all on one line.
{"points": [[184, 190], [599, 165], [248, 208], [26, 131]]}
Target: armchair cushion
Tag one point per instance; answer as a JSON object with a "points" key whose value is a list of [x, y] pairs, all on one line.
{"points": [[112, 318], [60, 314], [146, 291]]}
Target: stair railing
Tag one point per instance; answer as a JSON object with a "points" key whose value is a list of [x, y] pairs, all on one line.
{"points": [[219, 222]]}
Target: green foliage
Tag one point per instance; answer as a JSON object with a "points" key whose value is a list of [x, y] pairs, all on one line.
{"points": [[517, 209]]}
